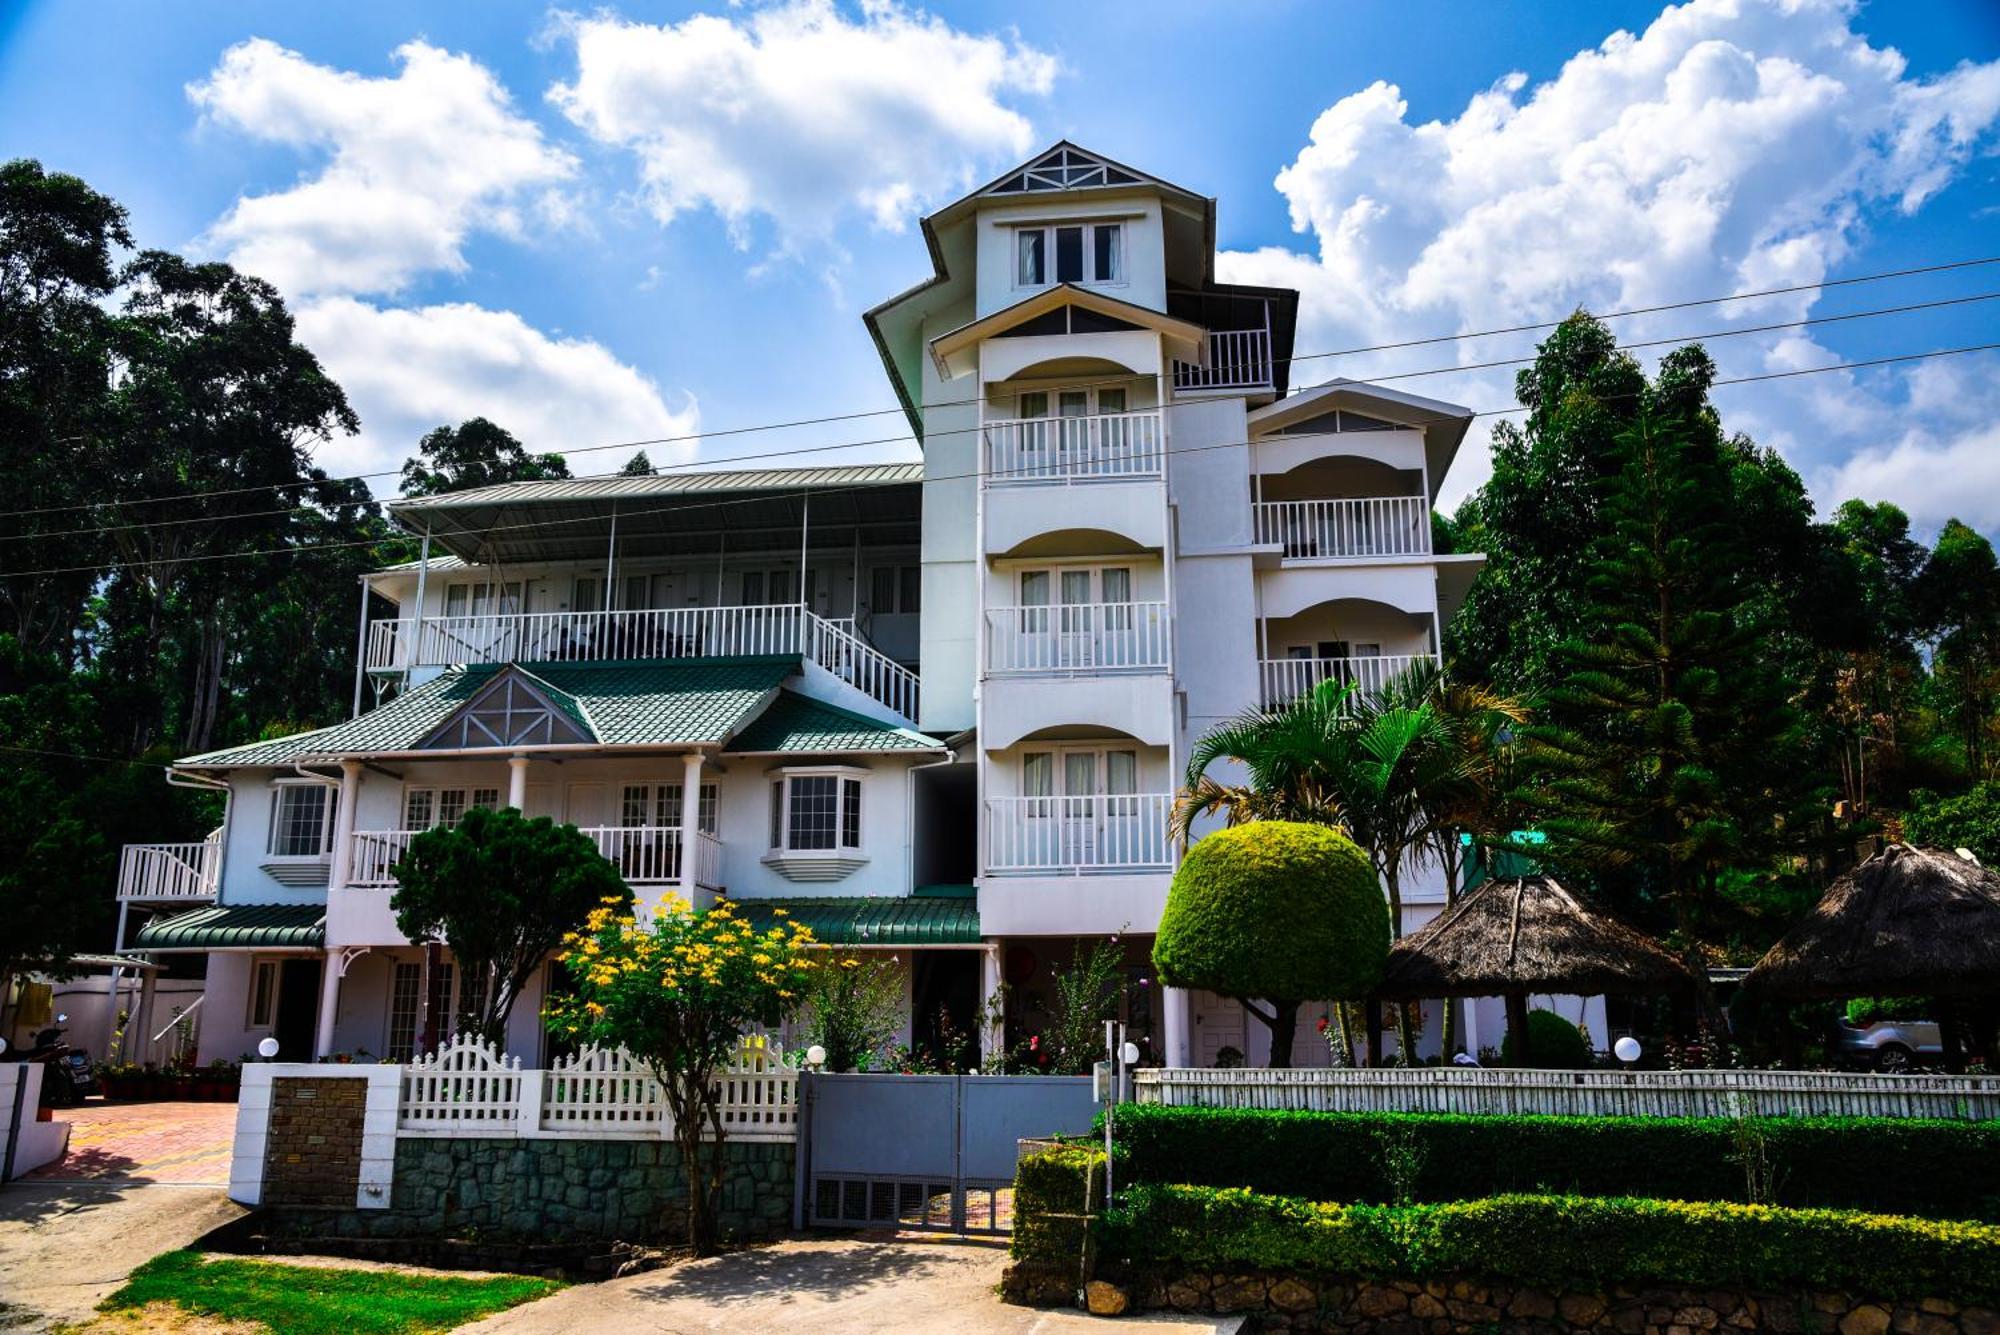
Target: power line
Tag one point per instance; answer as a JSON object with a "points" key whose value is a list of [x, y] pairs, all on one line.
{"points": [[828, 419], [688, 507], [79, 755], [951, 431]]}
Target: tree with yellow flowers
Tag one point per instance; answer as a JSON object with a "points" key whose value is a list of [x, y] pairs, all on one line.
{"points": [[678, 988]]}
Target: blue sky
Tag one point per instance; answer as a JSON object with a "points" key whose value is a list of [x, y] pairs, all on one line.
{"points": [[646, 219]]}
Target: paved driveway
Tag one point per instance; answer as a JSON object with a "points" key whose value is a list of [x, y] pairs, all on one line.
{"points": [[842, 1286], [151, 1142]]}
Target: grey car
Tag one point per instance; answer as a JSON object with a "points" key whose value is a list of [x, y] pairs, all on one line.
{"points": [[1892, 1045]]}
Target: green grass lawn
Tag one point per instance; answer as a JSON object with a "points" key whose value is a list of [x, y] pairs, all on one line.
{"points": [[317, 1300]]}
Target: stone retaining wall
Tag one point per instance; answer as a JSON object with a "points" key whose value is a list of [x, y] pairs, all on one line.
{"points": [[1291, 1302], [312, 1151]]}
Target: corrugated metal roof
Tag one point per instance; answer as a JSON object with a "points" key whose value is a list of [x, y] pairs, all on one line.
{"points": [[237, 927], [444, 562], [871, 920], [667, 484], [797, 723]]}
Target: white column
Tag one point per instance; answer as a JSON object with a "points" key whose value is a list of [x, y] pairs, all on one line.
{"points": [[1174, 1015], [329, 1004], [992, 1035], [343, 823], [690, 821], [517, 782]]}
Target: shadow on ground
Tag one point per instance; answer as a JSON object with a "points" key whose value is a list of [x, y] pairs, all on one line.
{"points": [[803, 1273]]}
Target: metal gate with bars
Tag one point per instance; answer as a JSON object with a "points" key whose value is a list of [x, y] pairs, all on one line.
{"points": [[925, 1151]]}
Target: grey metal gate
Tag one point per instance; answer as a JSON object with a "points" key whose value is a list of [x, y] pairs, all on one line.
{"points": [[925, 1151]]}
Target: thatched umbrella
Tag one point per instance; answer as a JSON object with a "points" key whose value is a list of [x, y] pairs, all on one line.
{"points": [[1510, 937]]}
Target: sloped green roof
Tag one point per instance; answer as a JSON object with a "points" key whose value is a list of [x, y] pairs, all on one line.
{"points": [[871, 920], [800, 724], [681, 702], [238, 927]]}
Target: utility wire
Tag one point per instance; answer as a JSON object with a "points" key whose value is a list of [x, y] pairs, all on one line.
{"points": [[719, 432], [953, 431], [688, 507]]}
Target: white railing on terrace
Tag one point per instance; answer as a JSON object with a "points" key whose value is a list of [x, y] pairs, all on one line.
{"points": [[1372, 526], [467, 1088], [1103, 832], [1237, 359], [170, 873], [1286, 679], [1696, 1093], [664, 632], [1103, 447], [643, 854], [1079, 637]]}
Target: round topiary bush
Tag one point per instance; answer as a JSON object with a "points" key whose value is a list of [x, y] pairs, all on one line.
{"points": [[1274, 911], [1553, 1042]]}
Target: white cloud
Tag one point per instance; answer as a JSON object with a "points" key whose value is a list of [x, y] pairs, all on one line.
{"points": [[414, 163], [408, 370], [800, 115], [1733, 145]]}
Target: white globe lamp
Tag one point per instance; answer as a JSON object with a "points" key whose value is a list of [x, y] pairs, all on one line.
{"points": [[815, 1055], [1626, 1049], [268, 1049]]}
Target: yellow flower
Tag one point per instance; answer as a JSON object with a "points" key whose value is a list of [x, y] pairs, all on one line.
{"points": [[780, 913]]}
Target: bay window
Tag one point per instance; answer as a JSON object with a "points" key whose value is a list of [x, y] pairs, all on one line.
{"points": [[816, 819]]}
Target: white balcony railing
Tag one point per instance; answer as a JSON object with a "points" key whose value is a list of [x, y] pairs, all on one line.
{"points": [[1079, 637], [665, 632], [1237, 359], [1104, 447], [170, 873], [1370, 526], [1286, 679], [1052, 835], [644, 855]]}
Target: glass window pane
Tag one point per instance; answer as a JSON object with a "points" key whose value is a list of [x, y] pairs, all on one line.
{"points": [[633, 807], [451, 806], [298, 824], [1117, 582], [706, 813], [1035, 404], [419, 809], [753, 588], [812, 815], [1121, 771], [486, 797], [1073, 403], [1108, 237], [883, 598], [1075, 587], [455, 599], [1031, 263], [403, 1012], [850, 813], [777, 814], [913, 586], [1069, 254], [1034, 588], [667, 805], [784, 588], [1079, 773], [586, 596], [1111, 400], [1038, 774]]}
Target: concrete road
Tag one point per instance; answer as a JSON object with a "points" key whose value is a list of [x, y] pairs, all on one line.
{"points": [[66, 1245], [825, 1286]]}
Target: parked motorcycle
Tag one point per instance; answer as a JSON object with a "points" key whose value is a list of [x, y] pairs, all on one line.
{"points": [[67, 1079]]}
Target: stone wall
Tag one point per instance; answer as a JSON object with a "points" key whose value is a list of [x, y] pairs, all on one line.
{"points": [[312, 1152], [1459, 1306], [559, 1191]]}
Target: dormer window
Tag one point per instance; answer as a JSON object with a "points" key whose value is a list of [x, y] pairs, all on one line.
{"points": [[1070, 253]]}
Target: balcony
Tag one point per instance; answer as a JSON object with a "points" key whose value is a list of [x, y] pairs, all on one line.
{"points": [[1101, 447], [1079, 637], [644, 855], [1286, 679], [1237, 359], [1045, 836], [170, 873], [668, 632], [1357, 529]]}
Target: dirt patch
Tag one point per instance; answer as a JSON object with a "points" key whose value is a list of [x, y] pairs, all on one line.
{"points": [[162, 1319]]}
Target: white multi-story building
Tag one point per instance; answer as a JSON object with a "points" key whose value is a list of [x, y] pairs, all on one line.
{"points": [[937, 709]]}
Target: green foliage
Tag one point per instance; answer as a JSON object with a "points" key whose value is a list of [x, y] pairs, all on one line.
{"points": [[1562, 1242], [1970, 820], [475, 453], [1048, 1183], [1869, 1010], [502, 891], [321, 1300], [1555, 1043], [1086, 995], [1941, 1169], [854, 1008], [1278, 911]]}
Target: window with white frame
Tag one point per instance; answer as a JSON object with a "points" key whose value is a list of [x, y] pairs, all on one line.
{"points": [[405, 990], [263, 994], [427, 807], [1069, 253], [896, 589], [483, 599], [815, 811], [302, 819], [659, 804], [1035, 403]]}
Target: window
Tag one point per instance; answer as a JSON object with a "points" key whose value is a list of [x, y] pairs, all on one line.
{"points": [[586, 595], [482, 599], [426, 807], [896, 589], [1069, 402], [775, 588], [302, 820], [472, 990], [1082, 254], [659, 804], [815, 812], [263, 993], [403, 986]]}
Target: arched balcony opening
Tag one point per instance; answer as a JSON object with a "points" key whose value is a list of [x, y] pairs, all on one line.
{"points": [[1343, 507], [1078, 799], [1360, 642], [1071, 419]]}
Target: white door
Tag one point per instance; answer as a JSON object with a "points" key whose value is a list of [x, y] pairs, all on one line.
{"points": [[1218, 1024], [1080, 804], [1073, 440], [1036, 647], [1077, 647]]}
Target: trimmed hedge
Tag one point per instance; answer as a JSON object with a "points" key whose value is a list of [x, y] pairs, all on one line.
{"points": [[1936, 1169], [1572, 1243]]}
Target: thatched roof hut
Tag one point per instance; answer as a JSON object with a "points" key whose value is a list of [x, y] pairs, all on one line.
{"points": [[1907, 922], [1525, 934]]}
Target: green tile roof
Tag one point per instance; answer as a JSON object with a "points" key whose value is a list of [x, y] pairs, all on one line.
{"points": [[800, 724], [238, 927], [682, 702], [875, 920]]}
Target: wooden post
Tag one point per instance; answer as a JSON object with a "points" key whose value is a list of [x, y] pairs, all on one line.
{"points": [[1517, 1026], [1371, 1020]]}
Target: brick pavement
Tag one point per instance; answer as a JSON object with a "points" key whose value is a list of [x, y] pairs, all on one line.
{"points": [[145, 1142]]}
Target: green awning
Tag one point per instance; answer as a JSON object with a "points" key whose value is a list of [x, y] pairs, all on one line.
{"points": [[237, 927], [799, 724], [874, 920]]}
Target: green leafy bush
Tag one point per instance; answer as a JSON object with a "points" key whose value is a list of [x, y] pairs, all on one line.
{"points": [[1867, 1010], [1553, 1042], [1940, 1169], [1971, 820], [1572, 1242], [1048, 1185]]}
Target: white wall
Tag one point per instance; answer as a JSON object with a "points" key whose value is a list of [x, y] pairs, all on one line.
{"points": [[1145, 281], [953, 456]]}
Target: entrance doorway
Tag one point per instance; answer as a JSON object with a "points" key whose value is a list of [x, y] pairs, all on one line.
{"points": [[298, 1009], [944, 1002]]}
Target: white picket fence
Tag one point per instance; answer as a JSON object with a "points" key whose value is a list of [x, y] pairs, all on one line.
{"points": [[467, 1088], [1458, 1089]]}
